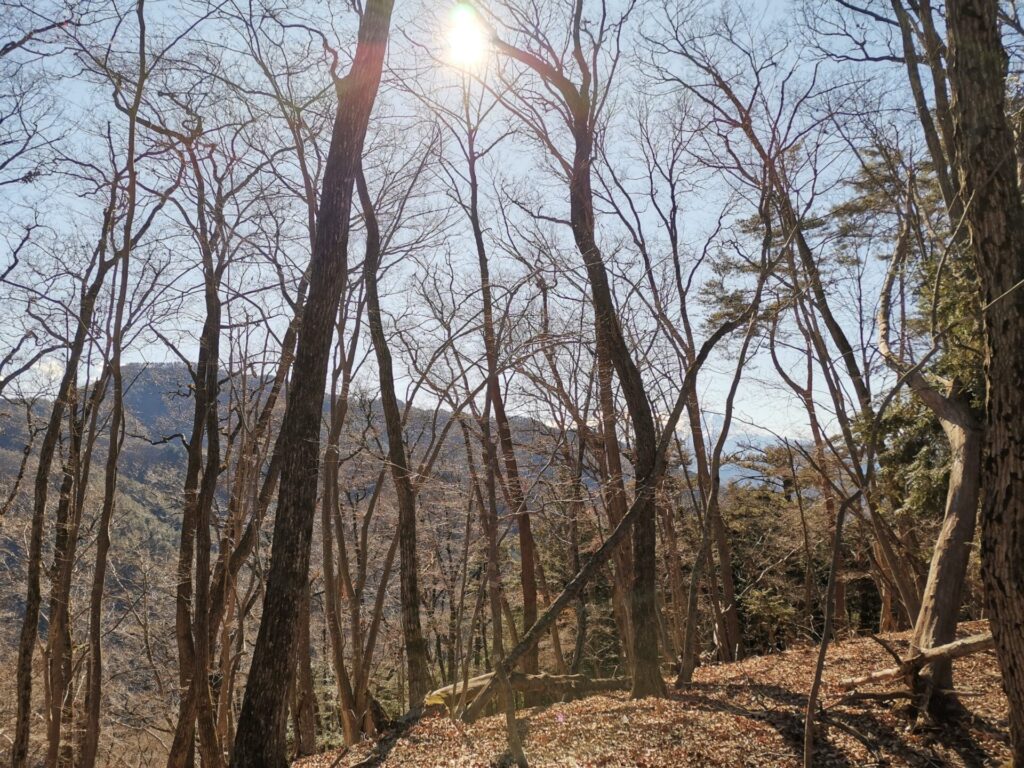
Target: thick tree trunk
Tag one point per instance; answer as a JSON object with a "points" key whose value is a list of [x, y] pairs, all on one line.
{"points": [[647, 679], [304, 701], [935, 623], [995, 217], [260, 738]]}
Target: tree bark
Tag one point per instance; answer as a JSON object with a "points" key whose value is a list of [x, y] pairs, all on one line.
{"points": [[918, 659], [304, 701], [935, 623], [527, 550], [260, 738], [984, 152]]}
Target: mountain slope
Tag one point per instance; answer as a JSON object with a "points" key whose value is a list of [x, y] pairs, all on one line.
{"points": [[749, 713]]}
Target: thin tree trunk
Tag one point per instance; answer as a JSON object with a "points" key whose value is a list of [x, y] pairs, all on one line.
{"points": [[508, 696], [47, 448], [833, 576], [94, 673], [415, 644], [69, 516], [58, 641], [527, 550]]}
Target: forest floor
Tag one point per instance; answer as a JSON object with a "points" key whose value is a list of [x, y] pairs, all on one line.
{"points": [[749, 713]]}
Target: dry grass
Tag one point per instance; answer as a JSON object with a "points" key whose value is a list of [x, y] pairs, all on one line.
{"points": [[745, 714]]}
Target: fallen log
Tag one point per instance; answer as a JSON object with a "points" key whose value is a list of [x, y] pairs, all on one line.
{"points": [[553, 686], [910, 666]]}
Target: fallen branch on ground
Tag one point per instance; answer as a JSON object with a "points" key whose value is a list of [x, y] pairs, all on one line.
{"points": [[545, 684], [910, 666]]}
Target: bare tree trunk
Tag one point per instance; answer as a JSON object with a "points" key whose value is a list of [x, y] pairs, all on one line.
{"points": [[647, 679], [69, 516], [94, 674], [615, 501], [332, 597], [202, 471], [47, 448], [527, 550], [819, 667], [711, 511], [490, 516], [935, 623], [304, 700], [260, 738], [596, 560], [582, 113], [943, 592], [415, 644], [58, 642], [995, 218]]}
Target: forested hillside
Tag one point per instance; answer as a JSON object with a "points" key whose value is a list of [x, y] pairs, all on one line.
{"points": [[380, 374]]}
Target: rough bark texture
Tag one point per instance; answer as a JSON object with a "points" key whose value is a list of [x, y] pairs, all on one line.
{"points": [[304, 701], [984, 150], [260, 739]]}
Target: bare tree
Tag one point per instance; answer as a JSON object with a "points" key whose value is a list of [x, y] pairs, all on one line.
{"points": [[261, 728]]}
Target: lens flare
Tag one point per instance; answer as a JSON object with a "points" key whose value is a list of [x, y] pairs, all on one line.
{"points": [[468, 39]]}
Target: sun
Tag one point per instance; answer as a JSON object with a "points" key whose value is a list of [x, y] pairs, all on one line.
{"points": [[468, 38]]}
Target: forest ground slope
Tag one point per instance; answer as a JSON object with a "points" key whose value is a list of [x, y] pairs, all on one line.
{"points": [[749, 713]]}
